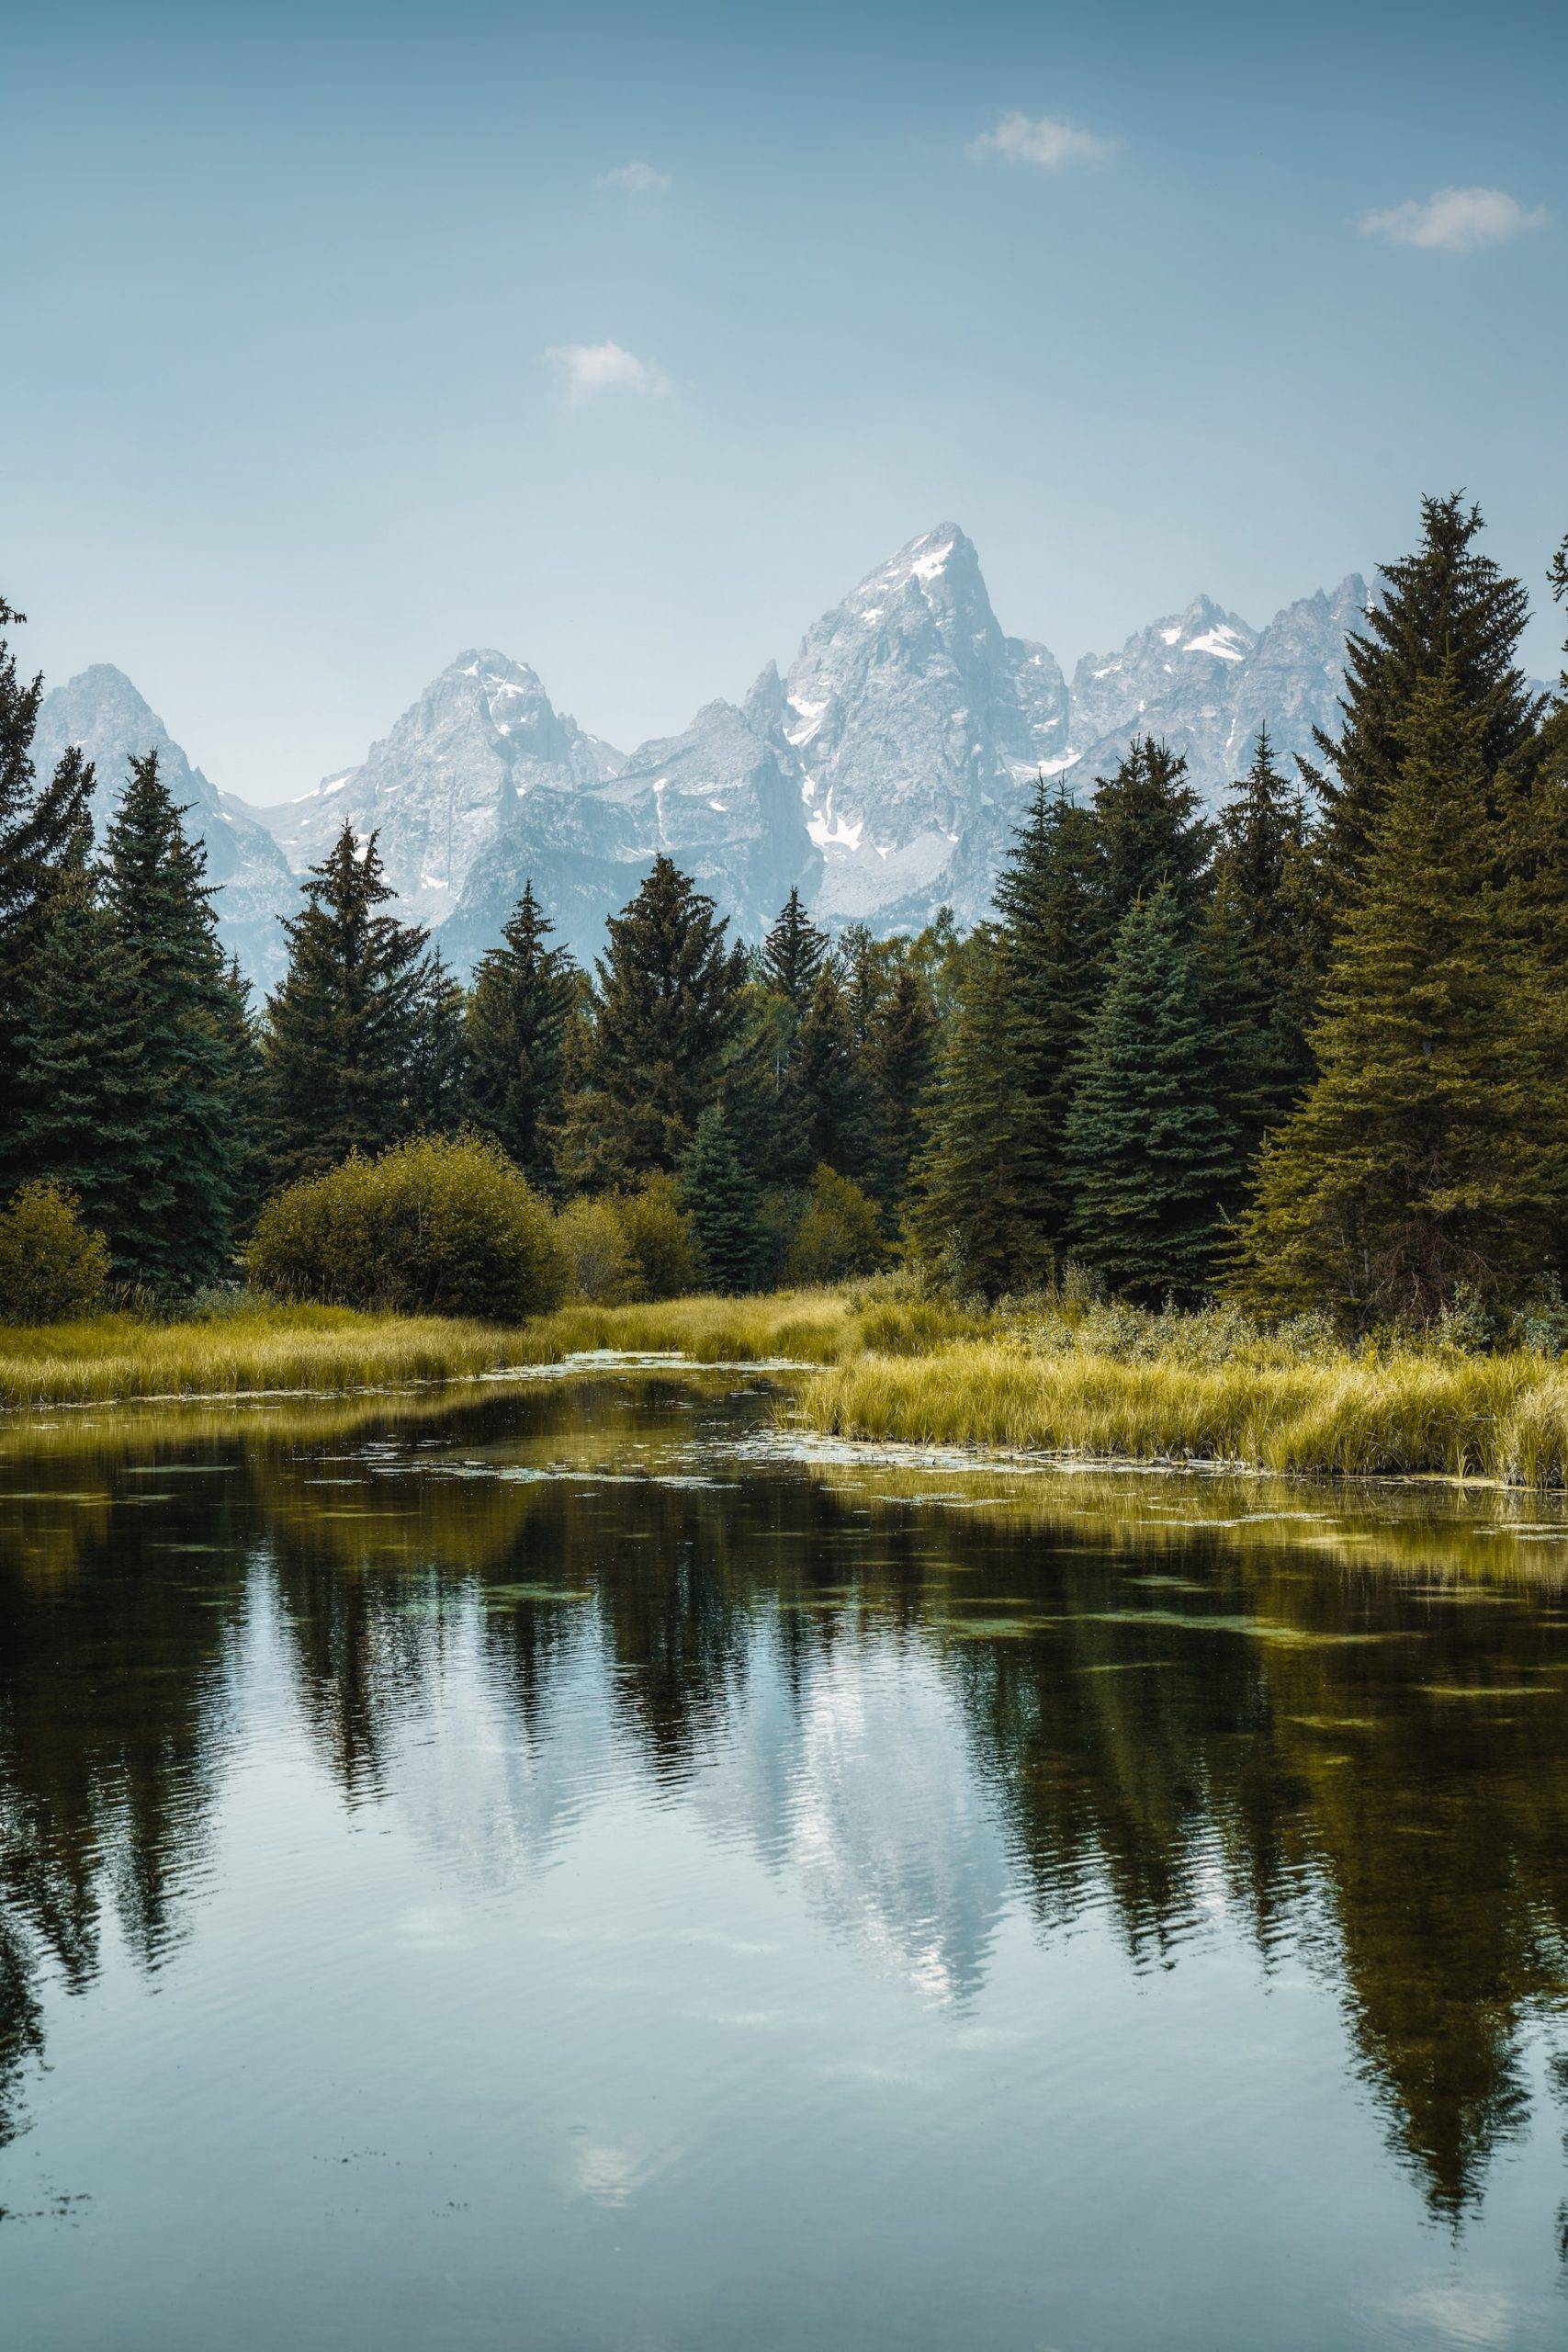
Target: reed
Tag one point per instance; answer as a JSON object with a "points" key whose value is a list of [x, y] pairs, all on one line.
{"points": [[1395, 1412], [252, 1347]]}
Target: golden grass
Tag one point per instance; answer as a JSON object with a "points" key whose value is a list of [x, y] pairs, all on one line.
{"points": [[1394, 1413], [1103, 1382], [327, 1349]]}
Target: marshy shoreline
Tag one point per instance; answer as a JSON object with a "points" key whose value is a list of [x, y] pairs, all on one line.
{"points": [[1109, 1387]]}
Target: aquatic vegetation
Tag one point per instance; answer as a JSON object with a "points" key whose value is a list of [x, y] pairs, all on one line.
{"points": [[1368, 1412], [253, 1348]]}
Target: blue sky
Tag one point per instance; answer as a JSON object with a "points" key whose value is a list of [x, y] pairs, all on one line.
{"points": [[1149, 300]]}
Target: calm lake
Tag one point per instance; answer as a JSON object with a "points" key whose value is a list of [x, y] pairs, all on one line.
{"points": [[568, 1864]]}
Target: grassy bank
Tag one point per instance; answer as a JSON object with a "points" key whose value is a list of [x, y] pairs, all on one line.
{"points": [[1389, 1412], [252, 1347], [1100, 1382]]}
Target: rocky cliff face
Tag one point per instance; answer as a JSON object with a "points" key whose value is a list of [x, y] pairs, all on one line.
{"points": [[881, 774], [101, 711], [482, 739]]}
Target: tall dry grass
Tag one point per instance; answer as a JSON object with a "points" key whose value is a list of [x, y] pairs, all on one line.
{"points": [[1392, 1412], [251, 1347]]}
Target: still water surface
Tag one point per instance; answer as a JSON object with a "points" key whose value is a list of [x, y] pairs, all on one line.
{"points": [[561, 1866]]}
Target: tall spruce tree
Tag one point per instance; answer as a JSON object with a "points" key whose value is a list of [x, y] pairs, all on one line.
{"points": [[719, 1194], [1419, 1161], [1446, 609], [1052, 939], [1257, 950], [1150, 832], [438, 1051], [518, 1009], [340, 1030], [829, 1088], [84, 1111], [901, 1063], [668, 1010], [791, 955], [178, 1234], [971, 1221], [1151, 1155], [39, 822]]}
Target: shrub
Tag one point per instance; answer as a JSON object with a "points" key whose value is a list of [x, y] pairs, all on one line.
{"points": [[659, 1239], [600, 1265], [839, 1234], [51, 1265], [434, 1227]]}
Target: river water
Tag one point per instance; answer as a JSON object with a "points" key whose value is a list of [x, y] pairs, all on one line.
{"points": [[568, 1864]]}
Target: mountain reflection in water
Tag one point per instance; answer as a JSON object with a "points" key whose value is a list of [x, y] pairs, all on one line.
{"points": [[599, 1697]]}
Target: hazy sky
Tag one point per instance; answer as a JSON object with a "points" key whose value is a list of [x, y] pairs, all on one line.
{"points": [[342, 337]]}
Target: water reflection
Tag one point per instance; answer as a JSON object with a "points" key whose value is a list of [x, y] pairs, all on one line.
{"points": [[924, 1703]]}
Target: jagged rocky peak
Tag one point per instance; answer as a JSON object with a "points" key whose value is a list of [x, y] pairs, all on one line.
{"points": [[916, 723], [102, 712], [482, 734]]}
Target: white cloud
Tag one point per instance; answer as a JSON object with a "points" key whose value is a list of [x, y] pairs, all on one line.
{"points": [[589, 367], [1050, 143], [640, 178], [1455, 220]]}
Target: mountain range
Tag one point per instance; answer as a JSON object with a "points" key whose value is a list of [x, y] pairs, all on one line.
{"points": [[881, 774]]}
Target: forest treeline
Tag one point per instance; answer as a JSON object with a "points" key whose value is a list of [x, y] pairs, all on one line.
{"points": [[1308, 1052]]}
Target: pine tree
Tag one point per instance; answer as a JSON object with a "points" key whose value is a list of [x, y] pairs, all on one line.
{"points": [[971, 1223], [1418, 1162], [38, 825], [1049, 898], [1445, 608], [828, 1086], [791, 955], [520, 1002], [438, 1052], [1149, 832], [340, 1030], [901, 1062], [1150, 1153], [83, 1105], [668, 1010], [1257, 950], [181, 1231], [719, 1194]]}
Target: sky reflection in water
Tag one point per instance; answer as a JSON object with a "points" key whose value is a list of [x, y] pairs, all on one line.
{"points": [[559, 1868]]}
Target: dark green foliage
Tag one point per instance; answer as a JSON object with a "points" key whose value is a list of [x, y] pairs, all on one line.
{"points": [[1148, 832], [1445, 608], [972, 1224], [901, 1065], [829, 1084], [719, 1196], [84, 1111], [792, 955], [1050, 898], [522, 999], [438, 1053], [39, 824], [433, 1226], [668, 1009], [340, 1031], [174, 1223], [1258, 951], [1419, 1164], [51, 1265], [1150, 1153]]}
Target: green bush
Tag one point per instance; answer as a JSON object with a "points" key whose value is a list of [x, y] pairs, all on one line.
{"points": [[838, 1235], [51, 1265], [432, 1226], [600, 1269], [658, 1239]]}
